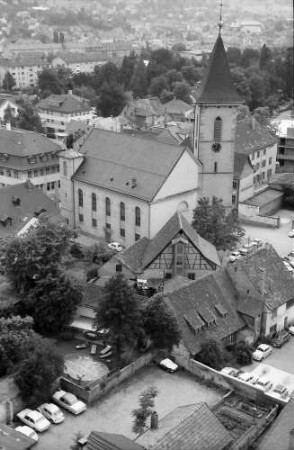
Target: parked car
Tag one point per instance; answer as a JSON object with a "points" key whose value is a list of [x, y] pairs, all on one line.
{"points": [[234, 255], [116, 246], [261, 352], [102, 331], [231, 371], [281, 339], [257, 242], [168, 365], [34, 419], [264, 384], [91, 335], [106, 352], [291, 233], [281, 390], [247, 377], [243, 251], [291, 330], [69, 401], [51, 412], [82, 345], [27, 431], [288, 266]]}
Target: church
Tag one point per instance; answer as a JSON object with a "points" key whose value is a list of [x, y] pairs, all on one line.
{"points": [[121, 188]]}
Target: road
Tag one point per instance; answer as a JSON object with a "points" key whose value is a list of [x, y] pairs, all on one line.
{"points": [[278, 237]]}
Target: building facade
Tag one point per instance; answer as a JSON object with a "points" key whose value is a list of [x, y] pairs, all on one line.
{"points": [[284, 125]]}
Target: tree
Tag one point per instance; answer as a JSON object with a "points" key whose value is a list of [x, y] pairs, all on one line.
{"points": [[262, 115], [265, 57], [119, 311], [49, 83], [211, 354], [139, 80], [28, 118], [216, 225], [182, 91], [127, 70], [52, 302], [158, 84], [160, 323], [111, 101], [242, 353], [37, 373], [141, 414], [8, 81]]}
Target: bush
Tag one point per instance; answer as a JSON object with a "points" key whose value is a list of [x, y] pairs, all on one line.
{"points": [[243, 353], [211, 354]]}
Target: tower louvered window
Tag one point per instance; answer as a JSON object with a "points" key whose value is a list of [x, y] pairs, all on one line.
{"points": [[217, 130]]}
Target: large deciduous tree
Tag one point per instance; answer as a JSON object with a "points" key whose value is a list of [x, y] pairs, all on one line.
{"points": [[146, 405], [119, 311], [112, 100], [49, 83], [215, 224], [8, 81], [160, 323], [211, 354]]}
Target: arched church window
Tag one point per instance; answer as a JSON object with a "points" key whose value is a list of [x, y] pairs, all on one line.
{"points": [[107, 206], [217, 135]]}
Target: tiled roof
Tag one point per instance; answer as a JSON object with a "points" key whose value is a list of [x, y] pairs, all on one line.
{"points": [[149, 107], [266, 271], [114, 160], [141, 254], [10, 439], [176, 106], [194, 306], [250, 306], [192, 427], [251, 136], [242, 166], [65, 103], [88, 57], [25, 143], [31, 201], [110, 441], [218, 86], [28, 60]]}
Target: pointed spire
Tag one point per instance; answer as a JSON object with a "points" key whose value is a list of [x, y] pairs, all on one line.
{"points": [[220, 23], [218, 87]]}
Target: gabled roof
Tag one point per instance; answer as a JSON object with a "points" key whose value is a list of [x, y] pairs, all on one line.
{"points": [[21, 202], [218, 86], [176, 106], [114, 160], [186, 428], [242, 166], [141, 254], [110, 441], [65, 103], [25, 143], [265, 270], [251, 136], [206, 309]]}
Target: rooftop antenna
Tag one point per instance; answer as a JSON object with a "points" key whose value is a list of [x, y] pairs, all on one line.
{"points": [[220, 23]]}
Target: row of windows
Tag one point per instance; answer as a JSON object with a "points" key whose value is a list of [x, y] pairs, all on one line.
{"points": [[41, 172], [259, 152], [49, 186], [122, 207], [122, 231]]}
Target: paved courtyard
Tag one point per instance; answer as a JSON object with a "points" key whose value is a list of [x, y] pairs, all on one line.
{"points": [[113, 413]]}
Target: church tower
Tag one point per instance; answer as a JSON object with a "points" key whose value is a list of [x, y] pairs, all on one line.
{"points": [[214, 128]]}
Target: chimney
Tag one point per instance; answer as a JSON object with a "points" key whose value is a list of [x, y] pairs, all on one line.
{"points": [[291, 440], [134, 182], [8, 126], [82, 442]]}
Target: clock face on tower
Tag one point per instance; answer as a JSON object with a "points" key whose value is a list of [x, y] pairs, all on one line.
{"points": [[216, 146]]}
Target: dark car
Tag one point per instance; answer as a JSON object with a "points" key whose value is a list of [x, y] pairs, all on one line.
{"points": [[281, 339]]}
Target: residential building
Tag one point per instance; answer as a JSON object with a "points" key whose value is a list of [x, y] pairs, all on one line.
{"points": [[25, 155], [56, 111], [187, 427], [215, 127], [243, 179], [124, 188], [176, 250], [206, 309], [260, 145], [80, 62], [263, 276], [25, 69], [144, 112], [176, 110], [20, 204], [284, 124], [8, 102]]}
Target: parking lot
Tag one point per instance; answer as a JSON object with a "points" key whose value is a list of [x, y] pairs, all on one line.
{"points": [[113, 413]]}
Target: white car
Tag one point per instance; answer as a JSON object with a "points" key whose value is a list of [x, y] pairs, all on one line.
{"points": [[281, 390], [51, 412], [168, 365], [291, 330], [234, 255], [69, 401], [262, 351], [34, 419], [247, 377], [243, 251], [264, 384], [27, 431], [116, 246], [288, 266], [231, 371], [291, 234]]}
